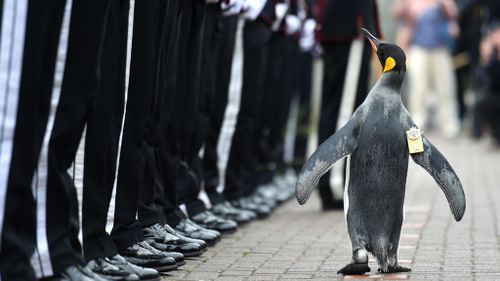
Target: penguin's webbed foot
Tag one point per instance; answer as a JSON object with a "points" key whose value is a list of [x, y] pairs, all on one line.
{"points": [[354, 269], [395, 269]]}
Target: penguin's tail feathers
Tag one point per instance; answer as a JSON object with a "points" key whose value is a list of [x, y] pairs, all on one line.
{"points": [[330, 151]]}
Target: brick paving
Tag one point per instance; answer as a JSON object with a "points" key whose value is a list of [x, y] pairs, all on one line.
{"points": [[301, 242]]}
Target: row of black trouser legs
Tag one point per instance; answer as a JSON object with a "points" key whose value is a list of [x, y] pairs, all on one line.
{"points": [[180, 69]]}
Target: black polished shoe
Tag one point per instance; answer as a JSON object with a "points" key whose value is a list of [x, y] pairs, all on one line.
{"points": [[278, 190], [103, 268], [285, 186], [144, 273], [208, 220], [157, 236], [226, 211], [262, 211], [259, 199], [76, 273], [174, 232], [272, 192], [139, 255], [189, 229], [214, 232], [178, 257]]}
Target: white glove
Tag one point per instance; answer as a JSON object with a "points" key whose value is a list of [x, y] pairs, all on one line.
{"points": [[307, 40], [253, 8], [280, 11], [234, 7], [292, 24]]}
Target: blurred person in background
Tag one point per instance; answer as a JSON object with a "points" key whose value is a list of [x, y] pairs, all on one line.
{"points": [[489, 105], [430, 28], [480, 16], [466, 51], [475, 17]]}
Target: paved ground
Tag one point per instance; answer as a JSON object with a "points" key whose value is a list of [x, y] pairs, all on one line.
{"points": [[300, 242]]}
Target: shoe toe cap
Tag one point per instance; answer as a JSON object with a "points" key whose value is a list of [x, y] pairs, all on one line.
{"points": [[132, 277]]}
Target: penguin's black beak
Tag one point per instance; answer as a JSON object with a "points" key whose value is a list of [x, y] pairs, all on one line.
{"points": [[373, 40]]}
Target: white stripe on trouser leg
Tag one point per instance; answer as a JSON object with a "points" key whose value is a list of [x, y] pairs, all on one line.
{"points": [[232, 108], [347, 103], [11, 61], [316, 92], [202, 195], [41, 258], [291, 130], [76, 172], [130, 36]]}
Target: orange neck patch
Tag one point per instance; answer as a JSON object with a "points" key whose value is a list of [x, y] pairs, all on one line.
{"points": [[390, 63]]}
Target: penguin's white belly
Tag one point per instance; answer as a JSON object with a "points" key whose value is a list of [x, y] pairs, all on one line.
{"points": [[346, 187]]}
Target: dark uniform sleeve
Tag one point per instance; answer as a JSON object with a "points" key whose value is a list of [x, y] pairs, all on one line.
{"points": [[268, 15], [341, 20]]}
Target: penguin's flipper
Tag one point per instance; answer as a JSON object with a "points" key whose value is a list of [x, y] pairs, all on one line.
{"points": [[336, 147], [438, 167]]}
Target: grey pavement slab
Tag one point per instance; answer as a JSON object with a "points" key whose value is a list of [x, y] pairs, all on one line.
{"points": [[302, 242]]}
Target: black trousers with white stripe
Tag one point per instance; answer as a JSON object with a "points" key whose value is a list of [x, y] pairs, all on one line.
{"points": [[280, 86], [216, 105], [243, 160], [102, 136], [186, 110], [176, 156], [150, 211], [303, 77], [159, 202], [207, 66], [29, 76], [79, 89], [149, 25]]}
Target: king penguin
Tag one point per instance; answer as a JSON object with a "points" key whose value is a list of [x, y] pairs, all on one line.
{"points": [[379, 138]]}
